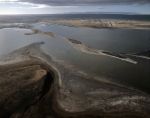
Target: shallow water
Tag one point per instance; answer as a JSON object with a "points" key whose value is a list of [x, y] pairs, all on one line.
{"points": [[116, 40], [113, 40]]}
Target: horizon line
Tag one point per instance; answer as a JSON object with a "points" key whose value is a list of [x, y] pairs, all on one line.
{"points": [[107, 13]]}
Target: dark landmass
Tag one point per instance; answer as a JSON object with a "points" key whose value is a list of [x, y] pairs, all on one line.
{"points": [[35, 31], [114, 54], [37, 17], [33, 85], [36, 86], [144, 53], [102, 23], [74, 41], [82, 47], [82, 20]]}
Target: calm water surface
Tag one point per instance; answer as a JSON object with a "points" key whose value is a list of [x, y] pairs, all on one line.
{"points": [[116, 40]]}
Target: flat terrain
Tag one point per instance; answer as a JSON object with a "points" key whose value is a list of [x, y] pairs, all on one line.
{"points": [[36, 86], [77, 22], [103, 23]]}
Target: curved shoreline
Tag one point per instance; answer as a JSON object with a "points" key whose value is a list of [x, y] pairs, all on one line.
{"points": [[104, 99], [39, 32], [82, 47], [61, 111]]}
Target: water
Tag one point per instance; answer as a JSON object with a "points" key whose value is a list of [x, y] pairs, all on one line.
{"points": [[113, 40], [117, 40], [36, 17], [101, 16]]}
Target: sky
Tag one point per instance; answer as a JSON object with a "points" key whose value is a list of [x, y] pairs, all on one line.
{"points": [[74, 6]]}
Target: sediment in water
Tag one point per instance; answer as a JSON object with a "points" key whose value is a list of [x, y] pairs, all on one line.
{"points": [[38, 86]]}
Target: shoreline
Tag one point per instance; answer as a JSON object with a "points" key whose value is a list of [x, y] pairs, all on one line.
{"points": [[63, 91], [35, 31], [102, 23], [33, 84], [87, 23], [82, 47]]}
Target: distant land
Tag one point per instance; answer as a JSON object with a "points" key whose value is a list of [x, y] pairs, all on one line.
{"points": [[119, 16], [83, 20], [75, 66]]}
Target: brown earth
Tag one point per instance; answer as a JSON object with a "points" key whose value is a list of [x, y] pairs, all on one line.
{"points": [[39, 87], [105, 23]]}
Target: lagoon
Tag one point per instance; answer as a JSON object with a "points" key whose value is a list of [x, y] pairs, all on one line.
{"points": [[105, 67]]}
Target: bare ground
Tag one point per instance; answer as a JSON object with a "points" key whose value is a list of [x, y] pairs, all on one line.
{"points": [[105, 23], [39, 87]]}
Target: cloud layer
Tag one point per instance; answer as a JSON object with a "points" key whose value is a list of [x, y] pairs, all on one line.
{"points": [[81, 2]]}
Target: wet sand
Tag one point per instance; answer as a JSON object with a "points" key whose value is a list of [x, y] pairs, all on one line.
{"points": [[82, 47], [35, 31], [32, 84], [144, 54], [38, 86]]}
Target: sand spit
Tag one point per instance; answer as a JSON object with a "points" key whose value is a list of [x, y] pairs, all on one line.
{"points": [[35, 31], [144, 54], [40, 87], [102, 23], [80, 46], [139, 56]]}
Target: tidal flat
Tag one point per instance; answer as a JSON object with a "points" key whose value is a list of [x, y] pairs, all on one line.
{"points": [[49, 69]]}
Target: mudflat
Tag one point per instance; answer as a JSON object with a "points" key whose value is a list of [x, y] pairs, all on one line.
{"points": [[34, 85], [38, 86]]}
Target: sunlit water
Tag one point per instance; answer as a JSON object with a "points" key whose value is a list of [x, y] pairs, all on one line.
{"points": [[116, 40]]}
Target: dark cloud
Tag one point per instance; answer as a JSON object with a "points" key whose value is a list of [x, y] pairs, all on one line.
{"points": [[85, 2]]}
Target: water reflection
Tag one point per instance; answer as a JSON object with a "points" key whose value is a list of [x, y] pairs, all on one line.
{"points": [[122, 40]]}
